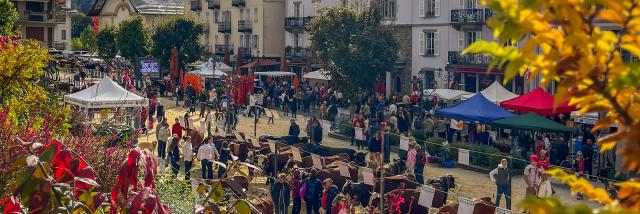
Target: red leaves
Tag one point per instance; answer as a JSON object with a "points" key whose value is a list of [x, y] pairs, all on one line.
{"points": [[147, 200], [39, 199], [10, 205], [128, 177]]}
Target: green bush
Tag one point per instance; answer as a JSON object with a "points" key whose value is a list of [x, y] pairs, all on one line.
{"points": [[345, 128], [176, 194], [419, 135], [434, 145], [394, 139]]}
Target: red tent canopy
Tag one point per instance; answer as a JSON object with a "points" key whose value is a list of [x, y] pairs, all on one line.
{"points": [[537, 101], [260, 63]]}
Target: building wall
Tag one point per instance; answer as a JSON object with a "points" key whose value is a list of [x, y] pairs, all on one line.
{"points": [[42, 30], [115, 12], [266, 18]]}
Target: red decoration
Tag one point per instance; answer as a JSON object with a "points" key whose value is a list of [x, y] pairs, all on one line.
{"points": [[195, 80], [95, 24]]}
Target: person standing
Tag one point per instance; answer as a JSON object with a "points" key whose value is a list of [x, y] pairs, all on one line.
{"points": [[375, 147], [296, 185], [176, 129], [294, 129], [313, 193], [187, 155], [281, 194], [500, 176], [532, 173], [544, 189], [225, 155], [293, 105], [160, 113], [205, 155], [421, 161], [579, 167], [411, 157], [203, 103], [174, 153], [162, 134], [428, 126], [328, 194], [587, 153]]}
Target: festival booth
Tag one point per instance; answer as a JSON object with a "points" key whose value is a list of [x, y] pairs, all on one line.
{"points": [[537, 101], [495, 93], [110, 101], [476, 111], [530, 122], [446, 95], [318, 77], [211, 69]]}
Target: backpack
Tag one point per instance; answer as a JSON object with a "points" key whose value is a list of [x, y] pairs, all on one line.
{"points": [[311, 193]]}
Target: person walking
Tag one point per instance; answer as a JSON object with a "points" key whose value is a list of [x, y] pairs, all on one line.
{"points": [[176, 129], [187, 155], [174, 153], [202, 100], [281, 194], [162, 134], [532, 173], [206, 155], [313, 192], [500, 177]]}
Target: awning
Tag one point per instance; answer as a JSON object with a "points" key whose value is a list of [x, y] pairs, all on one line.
{"points": [[275, 73], [530, 122], [319, 75], [261, 63], [495, 93], [447, 94], [537, 101], [476, 109]]}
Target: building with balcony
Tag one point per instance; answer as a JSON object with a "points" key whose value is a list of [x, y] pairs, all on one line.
{"points": [[112, 12], [441, 30], [245, 27], [40, 20]]}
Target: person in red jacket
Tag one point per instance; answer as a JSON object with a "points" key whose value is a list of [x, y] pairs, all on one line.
{"points": [[177, 128]]}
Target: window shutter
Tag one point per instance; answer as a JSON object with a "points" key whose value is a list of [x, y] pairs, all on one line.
{"points": [[462, 5], [460, 40], [436, 43], [421, 12], [478, 35], [291, 10], [301, 10], [421, 47], [436, 8]]}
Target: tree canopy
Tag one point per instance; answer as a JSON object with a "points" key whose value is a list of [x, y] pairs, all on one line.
{"points": [[106, 42], [8, 16], [355, 47], [563, 41], [132, 40], [86, 41], [180, 32]]}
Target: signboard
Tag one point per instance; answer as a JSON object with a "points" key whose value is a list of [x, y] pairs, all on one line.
{"points": [[149, 66]]}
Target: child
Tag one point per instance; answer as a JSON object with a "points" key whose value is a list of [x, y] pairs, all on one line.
{"points": [[544, 189], [411, 157]]}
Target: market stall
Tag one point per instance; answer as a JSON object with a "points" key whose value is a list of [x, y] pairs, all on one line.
{"points": [[318, 77], [476, 109], [446, 94], [537, 101], [495, 93], [530, 122], [105, 94]]}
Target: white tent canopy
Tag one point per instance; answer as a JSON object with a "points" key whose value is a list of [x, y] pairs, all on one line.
{"points": [[105, 94], [320, 74], [275, 73], [208, 70], [447, 94], [495, 93]]}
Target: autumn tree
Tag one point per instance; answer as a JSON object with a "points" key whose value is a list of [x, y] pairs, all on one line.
{"points": [[563, 41], [355, 47], [8, 16], [86, 41]]}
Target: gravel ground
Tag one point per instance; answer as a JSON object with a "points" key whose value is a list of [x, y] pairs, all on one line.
{"points": [[470, 183]]}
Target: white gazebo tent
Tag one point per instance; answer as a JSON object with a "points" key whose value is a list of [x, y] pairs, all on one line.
{"points": [[319, 77], [212, 69], [446, 94], [495, 93], [105, 94]]}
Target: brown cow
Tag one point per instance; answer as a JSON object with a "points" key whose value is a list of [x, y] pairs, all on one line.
{"points": [[481, 206], [196, 137], [393, 182], [307, 161], [334, 173], [263, 205]]}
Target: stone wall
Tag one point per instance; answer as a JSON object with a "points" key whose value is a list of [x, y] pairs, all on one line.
{"points": [[403, 65]]}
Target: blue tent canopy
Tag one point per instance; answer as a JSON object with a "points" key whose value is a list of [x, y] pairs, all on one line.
{"points": [[475, 109]]}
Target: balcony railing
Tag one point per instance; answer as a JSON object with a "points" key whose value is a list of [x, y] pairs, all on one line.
{"points": [[244, 26], [457, 58], [245, 51], [297, 52], [470, 17], [237, 3], [213, 4], [296, 23], [224, 27], [196, 5], [220, 49]]}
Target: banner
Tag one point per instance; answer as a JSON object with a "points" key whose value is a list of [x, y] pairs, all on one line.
{"points": [[463, 156], [426, 196]]}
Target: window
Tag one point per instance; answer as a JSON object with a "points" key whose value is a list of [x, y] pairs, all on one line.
{"points": [[248, 14], [215, 16], [389, 9], [470, 4], [255, 12], [429, 8], [63, 34], [296, 40], [35, 6], [471, 38], [297, 12], [247, 41], [429, 43], [215, 39], [242, 17], [242, 41], [255, 42]]}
